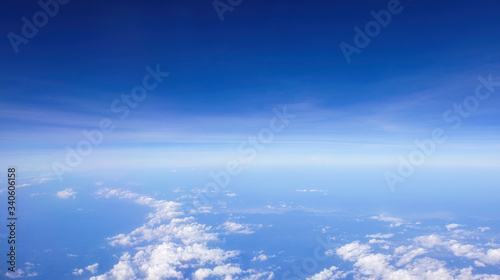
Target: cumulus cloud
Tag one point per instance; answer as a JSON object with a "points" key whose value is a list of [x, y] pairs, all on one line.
{"points": [[185, 230], [327, 274], [22, 273], [415, 258], [409, 254], [66, 194], [491, 256], [469, 251], [224, 270], [370, 265], [92, 268], [353, 250], [169, 244]]}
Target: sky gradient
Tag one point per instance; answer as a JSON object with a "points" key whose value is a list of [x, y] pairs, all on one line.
{"points": [[225, 78], [236, 139]]}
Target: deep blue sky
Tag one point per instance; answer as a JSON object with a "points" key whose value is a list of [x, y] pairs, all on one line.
{"points": [[225, 77], [353, 121]]}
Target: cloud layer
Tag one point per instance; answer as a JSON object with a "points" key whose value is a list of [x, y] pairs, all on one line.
{"points": [[170, 243]]}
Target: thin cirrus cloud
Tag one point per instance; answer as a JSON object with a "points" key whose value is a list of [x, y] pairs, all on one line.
{"points": [[379, 130]]}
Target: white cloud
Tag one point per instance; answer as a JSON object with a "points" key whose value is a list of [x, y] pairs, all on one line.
{"points": [[452, 226], [377, 241], [67, 193], [169, 243], [224, 270], [262, 257], [429, 241], [409, 256], [22, 273], [232, 227], [327, 274], [413, 260], [92, 268], [353, 250], [491, 256], [313, 191], [185, 230], [381, 236], [123, 270], [368, 265], [395, 222], [483, 229], [479, 264]]}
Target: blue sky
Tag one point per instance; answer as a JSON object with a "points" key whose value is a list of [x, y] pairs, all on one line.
{"points": [[302, 142], [226, 78]]}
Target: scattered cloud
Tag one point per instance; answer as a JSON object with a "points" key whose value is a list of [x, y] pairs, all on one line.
{"points": [[452, 226], [262, 257], [395, 222], [429, 241], [226, 270], [66, 194], [232, 227], [328, 274], [380, 236], [313, 191], [171, 243], [479, 264], [483, 229], [23, 273], [416, 258], [370, 265], [35, 181], [92, 268]]}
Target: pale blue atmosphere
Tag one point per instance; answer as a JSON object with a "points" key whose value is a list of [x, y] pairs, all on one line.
{"points": [[235, 139]]}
